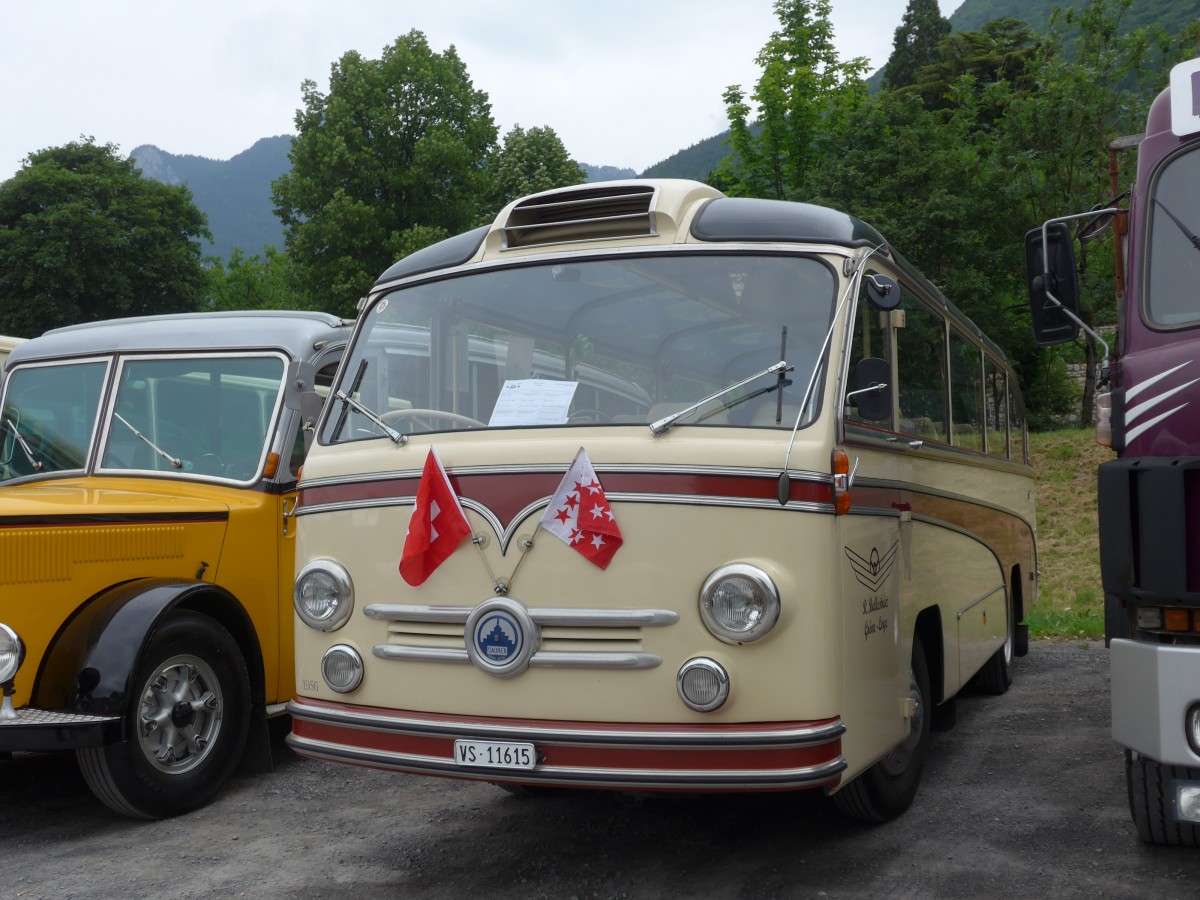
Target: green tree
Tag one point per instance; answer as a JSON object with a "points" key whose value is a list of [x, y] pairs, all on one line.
{"points": [[84, 237], [253, 282], [392, 158], [997, 54], [529, 162], [915, 44], [804, 89]]}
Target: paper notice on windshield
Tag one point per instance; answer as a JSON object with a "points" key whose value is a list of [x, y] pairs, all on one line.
{"points": [[533, 401]]}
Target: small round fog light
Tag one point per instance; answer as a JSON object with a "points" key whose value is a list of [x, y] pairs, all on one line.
{"points": [[12, 653], [342, 668], [702, 684]]}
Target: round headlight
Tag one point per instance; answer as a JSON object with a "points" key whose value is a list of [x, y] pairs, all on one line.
{"points": [[739, 603], [342, 668], [323, 595], [702, 684], [12, 653]]}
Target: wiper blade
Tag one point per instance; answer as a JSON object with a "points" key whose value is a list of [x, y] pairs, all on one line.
{"points": [[175, 461], [1187, 232], [664, 424], [23, 444], [396, 437]]}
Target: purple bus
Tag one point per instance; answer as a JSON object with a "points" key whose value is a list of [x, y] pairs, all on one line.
{"points": [[1149, 497]]}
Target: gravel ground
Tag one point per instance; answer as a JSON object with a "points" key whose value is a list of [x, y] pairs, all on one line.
{"points": [[1025, 797]]}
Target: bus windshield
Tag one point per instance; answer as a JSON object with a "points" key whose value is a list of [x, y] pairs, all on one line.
{"points": [[600, 340], [1173, 285]]}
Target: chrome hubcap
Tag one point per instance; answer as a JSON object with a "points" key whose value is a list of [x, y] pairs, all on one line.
{"points": [[180, 714]]}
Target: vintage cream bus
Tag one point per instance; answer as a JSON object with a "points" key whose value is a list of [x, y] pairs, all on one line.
{"points": [[148, 468], [771, 572]]}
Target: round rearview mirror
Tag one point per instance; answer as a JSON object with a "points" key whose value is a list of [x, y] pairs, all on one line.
{"points": [[883, 292], [1104, 215]]}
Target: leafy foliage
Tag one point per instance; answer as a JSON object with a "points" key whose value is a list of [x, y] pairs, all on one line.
{"points": [[530, 162], [915, 44], [804, 91], [394, 155], [1001, 131], [253, 282], [83, 237]]}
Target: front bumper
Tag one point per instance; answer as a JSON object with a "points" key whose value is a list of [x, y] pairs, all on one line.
{"points": [[1153, 686], [44, 729], [773, 756]]}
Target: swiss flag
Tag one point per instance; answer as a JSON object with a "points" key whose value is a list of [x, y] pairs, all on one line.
{"points": [[437, 525], [579, 514]]}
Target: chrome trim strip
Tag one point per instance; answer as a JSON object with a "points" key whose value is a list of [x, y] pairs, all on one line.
{"points": [[593, 659], [916, 487], [542, 659], [699, 779], [658, 738], [554, 469], [407, 653], [578, 618], [435, 615], [962, 612], [604, 618]]}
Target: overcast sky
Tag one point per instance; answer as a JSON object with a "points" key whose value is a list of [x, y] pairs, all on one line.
{"points": [[622, 82]]}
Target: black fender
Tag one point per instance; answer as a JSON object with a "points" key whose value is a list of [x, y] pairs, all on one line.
{"points": [[91, 664]]}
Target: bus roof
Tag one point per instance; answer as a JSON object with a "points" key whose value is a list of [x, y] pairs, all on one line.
{"points": [[297, 333]]}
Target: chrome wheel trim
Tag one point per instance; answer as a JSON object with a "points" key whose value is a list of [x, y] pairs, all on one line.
{"points": [[179, 714]]}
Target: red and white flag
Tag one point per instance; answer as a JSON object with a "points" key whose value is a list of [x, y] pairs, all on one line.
{"points": [[437, 526], [579, 514]]}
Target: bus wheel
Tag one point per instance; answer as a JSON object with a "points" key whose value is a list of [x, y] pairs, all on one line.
{"points": [[188, 720], [1150, 801], [887, 789]]}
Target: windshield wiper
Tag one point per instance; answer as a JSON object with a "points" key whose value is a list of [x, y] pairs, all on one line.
{"points": [[664, 424], [176, 462], [25, 448], [1187, 232], [396, 437]]}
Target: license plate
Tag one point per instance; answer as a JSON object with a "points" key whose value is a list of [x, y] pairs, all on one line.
{"points": [[495, 754]]}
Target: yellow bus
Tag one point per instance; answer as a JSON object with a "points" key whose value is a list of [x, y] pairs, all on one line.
{"points": [[774, 572], [148, 468]]}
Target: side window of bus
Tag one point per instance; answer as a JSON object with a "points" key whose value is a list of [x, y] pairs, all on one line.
{"points": [[965, 368], [995, 396], [870, 342], [921, 365], [322, 382]]}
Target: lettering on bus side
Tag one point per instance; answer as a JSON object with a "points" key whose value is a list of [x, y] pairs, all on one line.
{"points": [[872, 571]]}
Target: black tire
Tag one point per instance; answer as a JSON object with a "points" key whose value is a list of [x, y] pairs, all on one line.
{"points": [[1151, 801], [887, 789], [189, 715]]}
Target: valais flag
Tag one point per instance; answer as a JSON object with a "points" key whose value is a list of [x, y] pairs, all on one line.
{"points": [[579, 515], [437, 526]]}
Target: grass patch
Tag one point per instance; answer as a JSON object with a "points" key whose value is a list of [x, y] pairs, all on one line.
{"points": [[1070, 601]]}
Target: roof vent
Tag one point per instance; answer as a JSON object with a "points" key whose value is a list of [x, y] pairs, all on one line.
{"points": [[582, 214]]}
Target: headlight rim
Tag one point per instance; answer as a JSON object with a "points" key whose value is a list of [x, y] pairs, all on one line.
{"points": [[765, 625], [345, 586], [15, 638]]}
